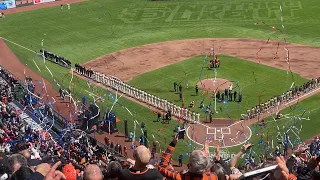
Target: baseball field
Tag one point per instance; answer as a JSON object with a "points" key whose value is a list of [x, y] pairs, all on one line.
{"points": [[265, 47]]}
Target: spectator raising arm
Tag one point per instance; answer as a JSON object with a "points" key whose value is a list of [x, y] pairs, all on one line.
{"points": [[165, 160], [235, 159], [199, 163]]}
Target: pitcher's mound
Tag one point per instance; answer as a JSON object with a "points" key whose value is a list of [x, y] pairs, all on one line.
{"points": [[211, 84]]}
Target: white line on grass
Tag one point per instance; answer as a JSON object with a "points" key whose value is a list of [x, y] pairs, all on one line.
{"points": [[19, 45]]}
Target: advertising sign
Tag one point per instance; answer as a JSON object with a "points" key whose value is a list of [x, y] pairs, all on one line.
{"points": [[41, 1], [8, 4]]}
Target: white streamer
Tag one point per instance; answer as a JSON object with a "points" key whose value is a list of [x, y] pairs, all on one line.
{"points": [[36, 65]]}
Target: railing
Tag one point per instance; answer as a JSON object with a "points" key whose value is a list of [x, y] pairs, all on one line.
{"points": [[59, 119], [142, 96]]}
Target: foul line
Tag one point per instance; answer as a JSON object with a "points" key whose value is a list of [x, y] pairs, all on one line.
{"points": [[19, 45]]}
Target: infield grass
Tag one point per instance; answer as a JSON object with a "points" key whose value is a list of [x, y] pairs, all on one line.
{"points": [[266, 82]]}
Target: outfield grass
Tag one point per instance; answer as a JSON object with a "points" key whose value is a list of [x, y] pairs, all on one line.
{"points": [[97, 27], [266, 83], [79, 34]]}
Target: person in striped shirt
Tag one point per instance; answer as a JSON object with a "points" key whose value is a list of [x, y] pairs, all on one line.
{"points": [[199, 164]]}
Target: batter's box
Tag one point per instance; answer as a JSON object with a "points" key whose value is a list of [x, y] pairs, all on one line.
{"points": [[218, 137], [211, 130], [225, 131]]}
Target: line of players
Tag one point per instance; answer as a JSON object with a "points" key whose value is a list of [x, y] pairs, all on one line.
{"points": [[57, 59], [292, 94], [162, 104], [83, 70]]}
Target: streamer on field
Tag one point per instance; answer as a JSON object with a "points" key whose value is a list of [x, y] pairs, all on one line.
{"points": [[226, 101], [282, 32], [259, 60], [135, 121], [101, 14]]}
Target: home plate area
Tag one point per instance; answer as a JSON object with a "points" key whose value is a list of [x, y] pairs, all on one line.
{"points": [[218, 133], [224, 136]]}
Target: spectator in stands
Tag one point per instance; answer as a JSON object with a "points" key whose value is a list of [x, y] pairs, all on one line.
{"points": [[22, 173], [139, 170], [113, 170], [92, 172], [235, 171], [199, 164], [14, 162]]}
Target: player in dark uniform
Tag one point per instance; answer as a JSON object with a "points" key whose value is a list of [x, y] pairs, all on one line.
{"points": [[197, 90]]}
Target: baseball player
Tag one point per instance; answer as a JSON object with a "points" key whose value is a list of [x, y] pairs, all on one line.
{"points": [[198, 117], [212, 53]]}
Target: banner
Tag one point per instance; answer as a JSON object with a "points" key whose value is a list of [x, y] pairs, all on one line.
{"points": [[8, 4], [41, 1]]}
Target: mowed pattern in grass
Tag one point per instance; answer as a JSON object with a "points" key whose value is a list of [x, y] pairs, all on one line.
{"points": [[96, 27], [256, 87]]}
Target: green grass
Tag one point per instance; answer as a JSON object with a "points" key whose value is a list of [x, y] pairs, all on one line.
{"points": [[266, 83], [79, 34], [270, 132], [140, 113]]}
